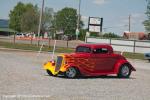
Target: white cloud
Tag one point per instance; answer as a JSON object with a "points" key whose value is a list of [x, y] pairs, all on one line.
{"points": [[99, 2]]}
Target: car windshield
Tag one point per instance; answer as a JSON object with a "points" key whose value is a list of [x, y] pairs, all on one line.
{"points": [[83, 49]]}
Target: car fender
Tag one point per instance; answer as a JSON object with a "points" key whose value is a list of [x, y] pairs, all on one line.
{"points": [[81, 71], [50, 67], [47, 65], [121, 62], [71, 65]]}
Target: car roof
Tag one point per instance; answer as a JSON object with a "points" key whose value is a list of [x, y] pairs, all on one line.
{"points": [[97, 45]]}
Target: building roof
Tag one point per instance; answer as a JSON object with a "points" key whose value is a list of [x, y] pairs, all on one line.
{"points": [[7, 30], [4, 26], [4, 23], [134, 35]]}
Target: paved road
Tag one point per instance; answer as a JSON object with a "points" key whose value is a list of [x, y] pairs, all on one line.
{"points": [[22, 76]]}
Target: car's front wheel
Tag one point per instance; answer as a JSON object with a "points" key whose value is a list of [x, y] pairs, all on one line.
{"points": [[124, 71], [71, 72]]}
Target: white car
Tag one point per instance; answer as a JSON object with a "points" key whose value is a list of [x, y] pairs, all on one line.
{"points": [[20, 35]]}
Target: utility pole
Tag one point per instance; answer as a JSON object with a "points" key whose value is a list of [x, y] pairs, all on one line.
{"points": [[78, 21], [40, 20], [129, 23]]}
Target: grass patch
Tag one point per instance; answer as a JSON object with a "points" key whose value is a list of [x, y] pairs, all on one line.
{"points": [[58, 49], [133, 55], [34, 47]]}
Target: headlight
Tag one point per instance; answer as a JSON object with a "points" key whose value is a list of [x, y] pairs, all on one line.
{"points": [[53, 62]]}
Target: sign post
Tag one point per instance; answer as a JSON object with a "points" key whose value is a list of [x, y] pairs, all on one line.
{"points": [[95, 24], [77, 33], [54, 47]]}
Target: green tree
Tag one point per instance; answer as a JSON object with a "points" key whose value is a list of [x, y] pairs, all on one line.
{"points": [[66, 20], [111, 35], [30, 19], [24, 17], [82, 34], [147, 22], [15, 16]]}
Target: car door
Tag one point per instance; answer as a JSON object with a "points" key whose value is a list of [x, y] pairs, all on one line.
{"points": [[104, 60]]}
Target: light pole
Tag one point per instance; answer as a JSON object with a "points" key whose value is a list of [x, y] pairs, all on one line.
{"points": [[78, 21], [40, 20], [129, 23]]}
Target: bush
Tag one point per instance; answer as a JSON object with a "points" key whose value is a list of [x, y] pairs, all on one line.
{"points": [[111, 35]]}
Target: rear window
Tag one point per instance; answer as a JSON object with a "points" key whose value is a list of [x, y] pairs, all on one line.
{"points": [[100, 51], [83, 49]]}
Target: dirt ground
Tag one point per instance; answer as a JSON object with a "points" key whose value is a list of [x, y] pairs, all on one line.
{"points": [[22, 76]]}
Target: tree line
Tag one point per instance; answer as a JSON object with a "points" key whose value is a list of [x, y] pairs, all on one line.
{"points": [[25, 18]]}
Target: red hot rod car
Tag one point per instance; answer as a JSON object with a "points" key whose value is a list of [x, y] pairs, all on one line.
{"points": [[90, 60]]}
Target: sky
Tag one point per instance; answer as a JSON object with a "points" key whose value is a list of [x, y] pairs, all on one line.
{"points": [[115, 13]]}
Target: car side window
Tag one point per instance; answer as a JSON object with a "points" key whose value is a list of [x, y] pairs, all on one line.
{"points": [[100, 51], [83, 49]]}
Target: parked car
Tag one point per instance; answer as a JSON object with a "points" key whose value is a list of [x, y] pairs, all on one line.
{"points": [[147, 56], [90, 60], [20, 35]]}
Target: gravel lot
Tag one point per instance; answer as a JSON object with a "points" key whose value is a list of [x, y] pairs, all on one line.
{"points": [[22, 76]]}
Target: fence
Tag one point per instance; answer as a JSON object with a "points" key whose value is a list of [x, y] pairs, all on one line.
{"points": [[60, 43], [135, 46]]}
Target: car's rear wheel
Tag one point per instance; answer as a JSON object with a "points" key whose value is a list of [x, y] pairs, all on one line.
{"points": [[124, 71], [71, 72], [49, 73]]}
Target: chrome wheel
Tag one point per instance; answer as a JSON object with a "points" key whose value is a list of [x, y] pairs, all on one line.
{"points": [[71, 72], [124, 71]]}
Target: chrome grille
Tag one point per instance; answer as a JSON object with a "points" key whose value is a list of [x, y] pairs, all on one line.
{"points": [[58, 63]]}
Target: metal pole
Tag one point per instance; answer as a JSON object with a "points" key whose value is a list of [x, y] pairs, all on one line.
{"points": [[129, 23], [14, 38], [40, 20], [78, 22], [49, 40], [53, 54], [31, 38]]}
